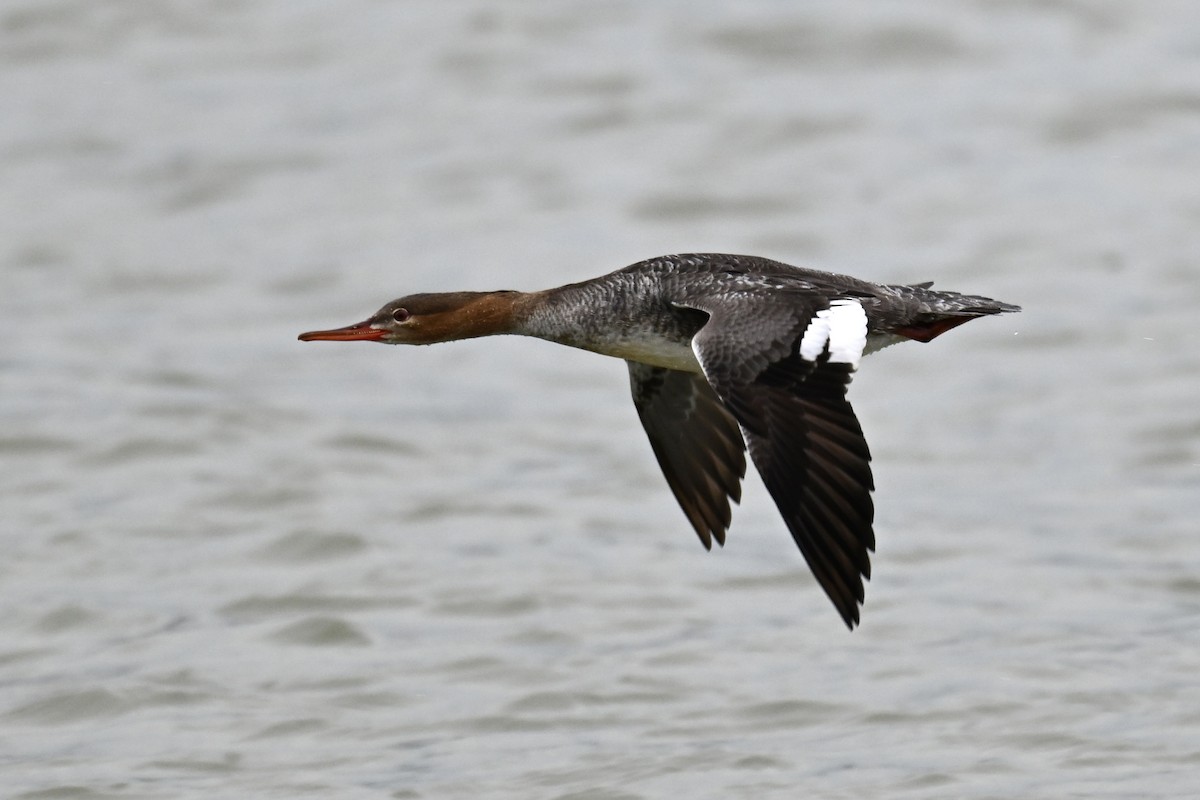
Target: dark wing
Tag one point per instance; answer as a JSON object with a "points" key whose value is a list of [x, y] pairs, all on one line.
{"points": [[801, 431], [697, 442]]}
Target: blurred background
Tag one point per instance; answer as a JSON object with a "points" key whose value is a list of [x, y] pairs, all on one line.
{"points": [[238, 564]]}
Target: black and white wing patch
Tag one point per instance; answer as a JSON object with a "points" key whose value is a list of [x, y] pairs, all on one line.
{"points": [[785, 380], [697, 442]]}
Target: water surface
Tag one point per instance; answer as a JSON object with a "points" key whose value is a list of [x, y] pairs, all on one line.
{"points": [[239, 565]]}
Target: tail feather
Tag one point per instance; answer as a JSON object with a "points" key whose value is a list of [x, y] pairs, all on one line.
{"points": [[946, 310]]}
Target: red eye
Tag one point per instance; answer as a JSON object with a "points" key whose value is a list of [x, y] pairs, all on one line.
{"points": [[400, 315]]}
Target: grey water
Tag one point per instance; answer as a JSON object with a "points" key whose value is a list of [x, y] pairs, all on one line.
{"points": [[235, 565]]}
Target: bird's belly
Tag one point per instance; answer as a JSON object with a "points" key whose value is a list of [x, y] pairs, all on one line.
{"points": [[878, 341], [661, 351], [657, 351]]}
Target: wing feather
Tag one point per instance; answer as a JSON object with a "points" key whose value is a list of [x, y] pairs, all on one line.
{"points": [[698, 444], [800, 429]]}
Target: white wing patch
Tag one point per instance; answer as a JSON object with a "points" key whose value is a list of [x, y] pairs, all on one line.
{"points": [[842, 328]]}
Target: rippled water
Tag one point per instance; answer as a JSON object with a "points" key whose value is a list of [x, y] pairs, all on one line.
{"points": [[236, 565]]}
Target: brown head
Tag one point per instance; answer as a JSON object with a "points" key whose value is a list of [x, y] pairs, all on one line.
{"points": [[430, 318]]}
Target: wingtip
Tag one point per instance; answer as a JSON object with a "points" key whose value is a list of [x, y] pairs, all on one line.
{"points": [[707, 537], [852, 620]]}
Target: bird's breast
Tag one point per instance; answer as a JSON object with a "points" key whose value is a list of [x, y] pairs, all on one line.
{"points": [[648, 348]]}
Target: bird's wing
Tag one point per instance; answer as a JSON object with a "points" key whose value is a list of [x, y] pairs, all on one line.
{"points": [[781, 362], [697, 442]]}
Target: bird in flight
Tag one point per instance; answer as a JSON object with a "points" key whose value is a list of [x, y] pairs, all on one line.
{"points": [[726, 354]]}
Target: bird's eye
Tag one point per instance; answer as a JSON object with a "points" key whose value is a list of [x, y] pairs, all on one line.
{"points": [[400, 315]]}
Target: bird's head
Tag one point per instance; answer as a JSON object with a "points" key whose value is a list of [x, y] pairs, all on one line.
{"points": [[430, 318]]}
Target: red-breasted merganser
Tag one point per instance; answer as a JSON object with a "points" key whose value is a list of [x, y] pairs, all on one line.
{"points": [[725, 353]]}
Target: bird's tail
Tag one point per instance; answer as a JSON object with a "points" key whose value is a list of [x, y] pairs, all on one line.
{"points": [[940, 311]]}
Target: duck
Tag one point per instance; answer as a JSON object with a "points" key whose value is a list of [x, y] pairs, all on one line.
{"points": [[727, 354]]}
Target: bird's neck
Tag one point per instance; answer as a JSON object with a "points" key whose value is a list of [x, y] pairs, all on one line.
{"points": [[469, 315]]}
